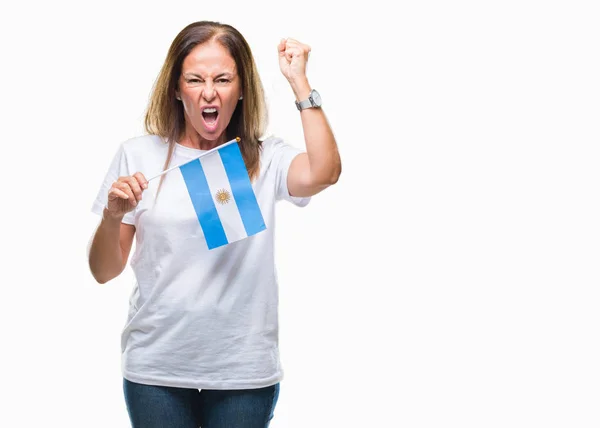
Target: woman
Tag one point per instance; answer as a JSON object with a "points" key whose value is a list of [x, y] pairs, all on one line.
{"points": [[200, 346]]}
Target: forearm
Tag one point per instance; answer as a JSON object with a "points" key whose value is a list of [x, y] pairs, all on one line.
{"points": [[321, 147], [105, 254]]}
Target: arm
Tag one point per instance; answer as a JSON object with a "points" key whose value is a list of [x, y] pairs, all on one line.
{"points": [[111, 244], [110, 248], [320, 166]]}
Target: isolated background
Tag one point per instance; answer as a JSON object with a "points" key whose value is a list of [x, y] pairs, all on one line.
{"points": [[450, 278]]}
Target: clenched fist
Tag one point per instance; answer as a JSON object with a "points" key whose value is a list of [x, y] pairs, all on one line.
{"points": [[125, 193], [293, 56]]}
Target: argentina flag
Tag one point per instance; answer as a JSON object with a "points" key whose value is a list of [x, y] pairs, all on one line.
{"points": [[222, 195]]}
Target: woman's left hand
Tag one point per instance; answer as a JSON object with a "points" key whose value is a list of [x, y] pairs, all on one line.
{"points": [[293, 56]]}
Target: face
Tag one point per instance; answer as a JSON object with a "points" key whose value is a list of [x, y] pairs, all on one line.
{"points": [[209, 88]]}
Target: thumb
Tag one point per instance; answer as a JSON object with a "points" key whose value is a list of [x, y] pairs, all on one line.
{"points": [[281, 47]]}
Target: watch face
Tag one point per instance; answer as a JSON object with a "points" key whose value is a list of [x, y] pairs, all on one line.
{"points": [[316, 98]]}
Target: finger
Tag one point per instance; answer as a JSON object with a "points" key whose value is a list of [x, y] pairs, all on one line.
{"points": [[141, 180], [125, 187], [293, 44], [135, 187], [296, 44], [115, 193], [281, 47], [294, 52], [303, 50], [292, 49]]}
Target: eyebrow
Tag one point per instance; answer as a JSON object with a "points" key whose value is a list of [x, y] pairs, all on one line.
{"points": [[226, 74]]}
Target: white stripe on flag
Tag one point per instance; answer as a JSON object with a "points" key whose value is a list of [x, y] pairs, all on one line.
{"points": [[229, 213]]}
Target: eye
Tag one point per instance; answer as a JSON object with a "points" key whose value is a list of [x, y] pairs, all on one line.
{"points": [[193, 80], [223, 80]]}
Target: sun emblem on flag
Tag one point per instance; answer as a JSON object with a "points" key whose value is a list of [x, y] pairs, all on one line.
{"points": [[223, 196]]}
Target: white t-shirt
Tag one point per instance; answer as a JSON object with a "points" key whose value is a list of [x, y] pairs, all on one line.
{"points": [[199, 318]]}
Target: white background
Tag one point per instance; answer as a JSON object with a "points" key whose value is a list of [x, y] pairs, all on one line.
{"points": [[449, 279]]}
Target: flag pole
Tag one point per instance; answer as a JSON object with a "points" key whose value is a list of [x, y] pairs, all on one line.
{"points": [[235, 140]]}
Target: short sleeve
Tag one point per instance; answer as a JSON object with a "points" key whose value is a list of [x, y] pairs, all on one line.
{"points": [[118, 167], [283, 155]]}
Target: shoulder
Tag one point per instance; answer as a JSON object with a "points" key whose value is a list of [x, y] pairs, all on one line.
{"points": [[274, 147], [145, 147], [269, 144], [143, 144], [277, 156]]}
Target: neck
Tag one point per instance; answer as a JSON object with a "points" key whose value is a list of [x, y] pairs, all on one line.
{"points": [[194, 140]]}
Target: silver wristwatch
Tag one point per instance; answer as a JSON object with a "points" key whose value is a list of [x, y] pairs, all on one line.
{"points": [[313, 101]]}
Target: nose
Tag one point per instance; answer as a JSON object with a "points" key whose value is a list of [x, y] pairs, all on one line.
{"points": [[209, 91]]}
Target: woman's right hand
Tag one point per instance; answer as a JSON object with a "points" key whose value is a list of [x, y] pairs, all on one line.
{"points": [[125, 193]]}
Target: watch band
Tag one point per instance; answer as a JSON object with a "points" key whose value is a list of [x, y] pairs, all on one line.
{"points": [[313, 101], [303, 104]]}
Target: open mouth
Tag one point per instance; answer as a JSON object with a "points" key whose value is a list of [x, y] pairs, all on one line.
{"points": [[210, 115]]}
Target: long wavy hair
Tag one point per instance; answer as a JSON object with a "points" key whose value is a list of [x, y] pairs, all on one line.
{"points": [[165, 116]]}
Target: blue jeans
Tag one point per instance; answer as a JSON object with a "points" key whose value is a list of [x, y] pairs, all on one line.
{"points": [[151, 406]]}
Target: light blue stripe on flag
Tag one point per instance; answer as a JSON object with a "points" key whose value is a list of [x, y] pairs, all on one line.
{"points": [[201, 197], [241, 187]]}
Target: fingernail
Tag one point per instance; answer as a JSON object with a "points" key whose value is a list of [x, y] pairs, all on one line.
{"points": [[145, 185]]}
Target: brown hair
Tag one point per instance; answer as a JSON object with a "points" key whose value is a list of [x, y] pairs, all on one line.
{"points": [[165, 116]]}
